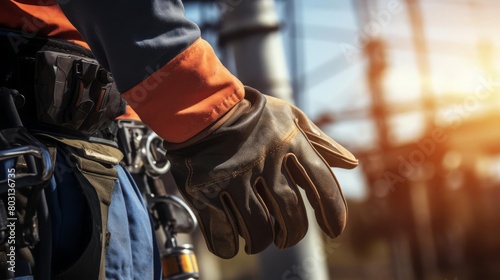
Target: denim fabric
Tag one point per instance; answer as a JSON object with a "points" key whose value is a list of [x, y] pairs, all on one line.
{"points": [[131, 251]]}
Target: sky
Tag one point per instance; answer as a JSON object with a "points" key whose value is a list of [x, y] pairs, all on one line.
{"points": [[332, 68]]}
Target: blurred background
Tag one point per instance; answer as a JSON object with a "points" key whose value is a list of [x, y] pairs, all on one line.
{"points": [[411, 87]]}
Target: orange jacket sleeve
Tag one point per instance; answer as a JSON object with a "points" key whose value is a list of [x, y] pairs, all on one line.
{"points": [[187, 94]]}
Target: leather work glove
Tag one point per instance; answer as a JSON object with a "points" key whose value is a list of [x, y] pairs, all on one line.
{"points": [[241, 179]]}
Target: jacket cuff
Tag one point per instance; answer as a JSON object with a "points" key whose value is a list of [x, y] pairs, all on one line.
{"points": [[187, 94]]}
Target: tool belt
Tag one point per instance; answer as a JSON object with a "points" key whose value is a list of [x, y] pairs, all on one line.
{"points": [[64, 98], [59, 85]]}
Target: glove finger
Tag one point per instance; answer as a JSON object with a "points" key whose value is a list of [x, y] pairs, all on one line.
{"points": [[219, 229], [322, 189], [285, 204], [252, 218], [334, 153]]}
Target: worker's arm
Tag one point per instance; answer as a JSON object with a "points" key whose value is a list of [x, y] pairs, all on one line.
{"points": [[170, 76]]}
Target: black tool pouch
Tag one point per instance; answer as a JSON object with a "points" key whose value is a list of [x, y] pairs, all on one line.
{"points": [[59, 86], [75, 92]]}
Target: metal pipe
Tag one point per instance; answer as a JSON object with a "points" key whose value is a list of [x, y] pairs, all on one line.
{"points": [[250, 35]]}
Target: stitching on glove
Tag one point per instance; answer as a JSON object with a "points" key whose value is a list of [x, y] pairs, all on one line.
{"points": [[230, 217], [233, 212], [277, 213], [337, 152], [197, 187], [311, 183]]}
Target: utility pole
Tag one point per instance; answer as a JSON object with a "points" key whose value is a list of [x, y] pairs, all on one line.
{"points": [[419, 190], [375, 49], [250, 34], [295, 47], [423, 61]]}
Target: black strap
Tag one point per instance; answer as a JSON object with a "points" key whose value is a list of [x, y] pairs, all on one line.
{"points": [[88, 265], [94, 170], [15, 42]]}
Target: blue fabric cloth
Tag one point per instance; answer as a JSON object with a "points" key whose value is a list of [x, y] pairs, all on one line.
{"points": [[132, 252], [132, 38]]}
